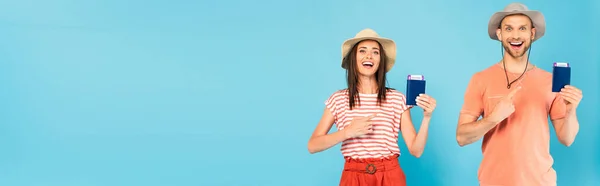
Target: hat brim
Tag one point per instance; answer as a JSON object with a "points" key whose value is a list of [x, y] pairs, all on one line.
{"points": [[388, 45], [536, 17]]}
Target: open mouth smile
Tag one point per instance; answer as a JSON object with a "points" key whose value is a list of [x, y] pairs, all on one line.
{"points": [[368, 64], [516, 45]]}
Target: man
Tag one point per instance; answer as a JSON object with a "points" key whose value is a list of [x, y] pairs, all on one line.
{"points": [[515, 99]]}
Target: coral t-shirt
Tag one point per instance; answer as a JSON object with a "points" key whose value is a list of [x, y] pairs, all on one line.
{"points": [[517, 151]]}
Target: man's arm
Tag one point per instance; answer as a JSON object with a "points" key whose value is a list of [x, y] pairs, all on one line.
{"points": [[470, 129], [564, 115], [566, 128]]}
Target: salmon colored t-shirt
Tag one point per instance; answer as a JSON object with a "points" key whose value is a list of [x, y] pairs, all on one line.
{"points": [[517, 151]]}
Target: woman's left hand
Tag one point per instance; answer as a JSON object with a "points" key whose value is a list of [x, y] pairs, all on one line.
{"points": [[427, 103]]}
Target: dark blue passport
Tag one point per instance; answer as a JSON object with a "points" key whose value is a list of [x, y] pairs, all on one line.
{"points": [[415, 85], [561, 76]]}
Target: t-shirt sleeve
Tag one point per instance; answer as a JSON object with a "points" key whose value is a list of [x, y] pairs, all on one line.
{"points": [[331, 104], [473, 97], [399, 107], [558, 108], [403, 106]]}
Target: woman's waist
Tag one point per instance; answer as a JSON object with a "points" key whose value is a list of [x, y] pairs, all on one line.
{"points": [[371, 164]]}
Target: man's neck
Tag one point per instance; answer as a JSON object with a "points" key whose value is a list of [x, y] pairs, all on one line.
{"points": [[367, 85], [516, 65]]}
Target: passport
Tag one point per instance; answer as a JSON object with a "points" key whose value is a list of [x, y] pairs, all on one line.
{"points": [[561, 76], [415, 85]]}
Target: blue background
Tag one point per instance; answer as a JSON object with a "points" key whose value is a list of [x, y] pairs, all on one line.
{"points": [[228, 92]]}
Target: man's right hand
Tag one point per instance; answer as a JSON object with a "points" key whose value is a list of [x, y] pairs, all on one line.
{"points": [[359, 126], [504, 108]]}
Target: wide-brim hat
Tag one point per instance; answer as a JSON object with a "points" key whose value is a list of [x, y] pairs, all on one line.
{"points": [[517, 8], [388, 45]]}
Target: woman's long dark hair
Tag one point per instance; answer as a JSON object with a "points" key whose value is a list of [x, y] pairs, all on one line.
{"points": [[352, 77]]}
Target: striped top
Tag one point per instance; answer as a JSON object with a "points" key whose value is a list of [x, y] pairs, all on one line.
{"points": [[383, 141]]}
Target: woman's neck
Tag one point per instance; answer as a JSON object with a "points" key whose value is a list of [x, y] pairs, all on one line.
{"points": [[367, 85]]}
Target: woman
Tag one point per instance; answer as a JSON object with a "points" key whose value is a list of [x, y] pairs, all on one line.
{"points": [[369, 116]]}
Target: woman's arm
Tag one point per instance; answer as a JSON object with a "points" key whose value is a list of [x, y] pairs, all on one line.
{"points": [[320, 140], [416, 141]]}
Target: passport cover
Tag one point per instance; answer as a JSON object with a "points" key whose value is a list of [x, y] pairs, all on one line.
{"points": [[413, 89], [561, 76]]}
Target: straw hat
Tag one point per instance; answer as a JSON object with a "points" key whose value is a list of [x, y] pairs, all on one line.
{"points": [[388, 46], [517, 8]]}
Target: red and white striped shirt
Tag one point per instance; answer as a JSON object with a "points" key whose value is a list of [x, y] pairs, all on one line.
{"points": [[383, 141]]}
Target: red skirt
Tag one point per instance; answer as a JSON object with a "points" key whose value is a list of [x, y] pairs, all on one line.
{"points": [[373, 172]]}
